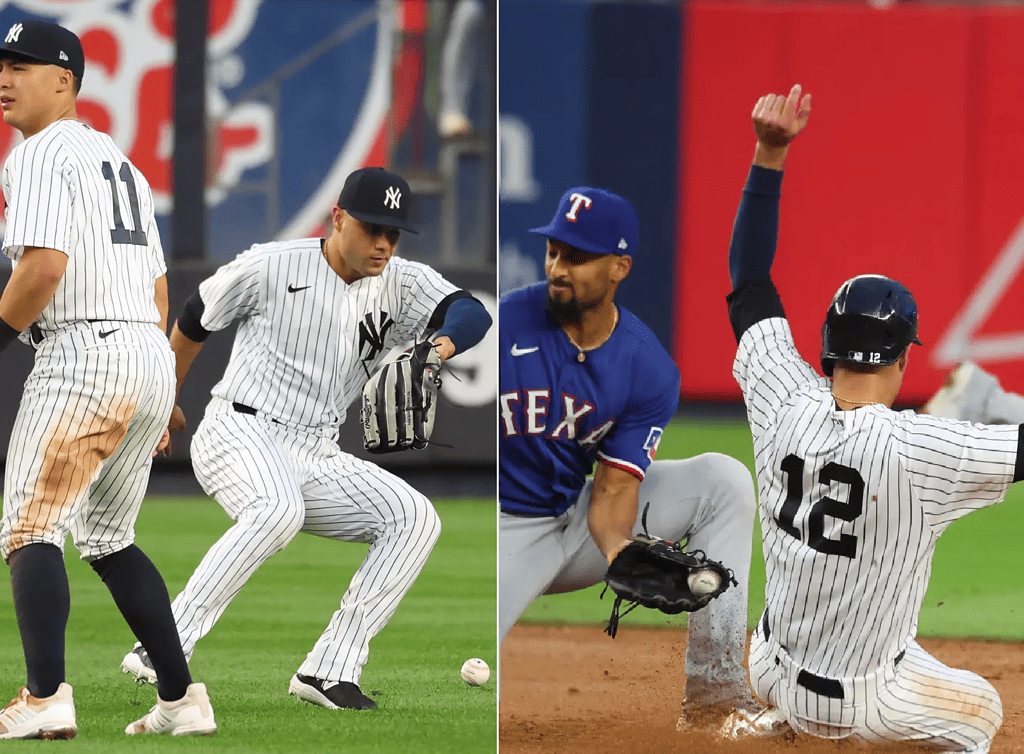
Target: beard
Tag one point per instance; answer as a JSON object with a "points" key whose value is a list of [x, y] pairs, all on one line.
{"points": [[565, 312]]}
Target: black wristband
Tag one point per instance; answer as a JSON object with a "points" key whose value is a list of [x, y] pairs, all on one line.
{"points": [[7, 334]]}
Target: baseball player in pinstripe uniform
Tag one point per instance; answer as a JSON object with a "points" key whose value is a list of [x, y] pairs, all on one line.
{"points": [[315, 318], [88, 290], [585, 382], [853, 496]]}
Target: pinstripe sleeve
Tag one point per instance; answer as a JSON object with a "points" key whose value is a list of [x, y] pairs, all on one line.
{"points": [[41, 194], [769, 369], [955, 467], [421, 289], [233, 291]]}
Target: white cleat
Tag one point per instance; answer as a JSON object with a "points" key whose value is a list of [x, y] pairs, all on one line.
{"points": [[51, 717], [191, 715], [136, 663], [767, 723], [948, 402]]}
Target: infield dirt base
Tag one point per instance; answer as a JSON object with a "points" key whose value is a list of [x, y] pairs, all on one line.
{"points": [[575, 690]]}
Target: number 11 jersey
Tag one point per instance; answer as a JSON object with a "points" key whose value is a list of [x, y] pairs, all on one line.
{"points": [[852, 503], [70, 188]]}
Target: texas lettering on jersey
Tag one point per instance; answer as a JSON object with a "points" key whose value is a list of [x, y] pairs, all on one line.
{"points": [[529, 412]]}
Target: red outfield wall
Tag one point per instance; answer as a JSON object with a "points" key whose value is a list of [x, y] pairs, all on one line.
{"points": [[912, 166]]}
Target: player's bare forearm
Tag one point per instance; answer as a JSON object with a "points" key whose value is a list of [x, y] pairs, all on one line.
{"points": [[185, 352], [32, 285], [613, 508], [160, 297], [778, 119]]}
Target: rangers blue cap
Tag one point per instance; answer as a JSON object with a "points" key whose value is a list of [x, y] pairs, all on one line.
{"points": [[379, 197], [43, 42], [594, 220]]}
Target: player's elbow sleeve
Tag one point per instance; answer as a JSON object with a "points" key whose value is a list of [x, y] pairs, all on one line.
{"points": [[751, 302], [466, 321], [190, 319]]}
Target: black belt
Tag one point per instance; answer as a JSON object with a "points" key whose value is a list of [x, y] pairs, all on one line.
{"points": [[829, 687], [36, 332], [243, 409]]}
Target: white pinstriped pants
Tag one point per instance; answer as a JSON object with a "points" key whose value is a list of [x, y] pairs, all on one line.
{"points": [[276, 481], [92, 413], [708, 500], [920, 699]]}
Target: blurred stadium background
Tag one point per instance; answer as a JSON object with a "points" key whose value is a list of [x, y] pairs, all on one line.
{"points": [[247, 115]]}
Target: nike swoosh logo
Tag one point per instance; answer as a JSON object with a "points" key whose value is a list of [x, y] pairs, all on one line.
{"points": [[517, 351], [293, 289], [108, 332]]}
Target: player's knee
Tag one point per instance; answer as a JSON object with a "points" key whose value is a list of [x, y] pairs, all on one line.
{"points": [[734, 484], [422, 521], [990, 715], [276, 523]]}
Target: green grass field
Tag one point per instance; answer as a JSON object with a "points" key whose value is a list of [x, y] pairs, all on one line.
{"points": [[976, 575], [247, 659]]}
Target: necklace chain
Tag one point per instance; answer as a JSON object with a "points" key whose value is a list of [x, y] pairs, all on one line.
{"points": [[604, 340], [855, 403]]}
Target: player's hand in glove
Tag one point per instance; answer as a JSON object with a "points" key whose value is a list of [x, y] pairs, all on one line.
{"points": [[400, 401], [653, 572]]}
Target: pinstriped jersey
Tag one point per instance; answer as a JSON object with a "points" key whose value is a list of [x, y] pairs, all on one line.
{"points": [[307, 341], [851, 505], [558, 414], [70, 188]]}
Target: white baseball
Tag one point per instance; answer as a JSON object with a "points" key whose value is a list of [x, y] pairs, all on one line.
{"points": [[475, 672], [703, 582]]}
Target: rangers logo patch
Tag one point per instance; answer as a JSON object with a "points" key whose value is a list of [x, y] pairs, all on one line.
{"points": [[651, 445]]}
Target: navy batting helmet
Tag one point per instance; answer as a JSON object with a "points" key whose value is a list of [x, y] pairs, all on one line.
{"points": [[871, 321]]}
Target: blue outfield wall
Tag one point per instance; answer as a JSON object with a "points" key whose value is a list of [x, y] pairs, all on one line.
{"points": [[588, 95]]}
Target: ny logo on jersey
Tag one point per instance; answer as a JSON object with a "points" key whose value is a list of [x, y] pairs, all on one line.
{"points": [[373, 334], [392, 197], [577, 200], [651, 446], [14, 32]]}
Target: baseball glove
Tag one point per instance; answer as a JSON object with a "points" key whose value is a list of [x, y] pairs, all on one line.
{"points": [[400, 400], [653, 572]]}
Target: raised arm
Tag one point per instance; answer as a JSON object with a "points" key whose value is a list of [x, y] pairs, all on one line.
{"points": [[777, 121]]}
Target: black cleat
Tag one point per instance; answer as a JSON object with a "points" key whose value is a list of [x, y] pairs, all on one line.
{"points": [[329, 694]]}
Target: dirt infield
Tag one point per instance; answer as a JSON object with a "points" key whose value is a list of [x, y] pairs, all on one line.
{"points": [[573, 689]]}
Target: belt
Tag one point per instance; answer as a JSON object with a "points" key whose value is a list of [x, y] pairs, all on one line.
{"points": [[243, 409], [37, 335], [829, 687]]}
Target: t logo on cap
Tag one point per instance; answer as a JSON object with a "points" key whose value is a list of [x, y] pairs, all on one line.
{"points": [[577, 200], [14, 33]]}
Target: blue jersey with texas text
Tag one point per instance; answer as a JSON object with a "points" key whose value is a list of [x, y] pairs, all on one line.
{"points": [[557, 415]]}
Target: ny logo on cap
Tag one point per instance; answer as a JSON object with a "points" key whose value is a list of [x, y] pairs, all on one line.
{"points": [[577, 200], [392, 197], [14, 32]]}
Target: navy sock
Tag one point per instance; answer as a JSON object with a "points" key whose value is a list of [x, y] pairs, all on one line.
{"points": [[141, 596], [42, 602]]}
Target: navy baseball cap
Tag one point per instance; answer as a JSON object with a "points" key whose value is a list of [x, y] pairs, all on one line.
{"points": [[44, 42], [594, 220], [378, 197]]}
